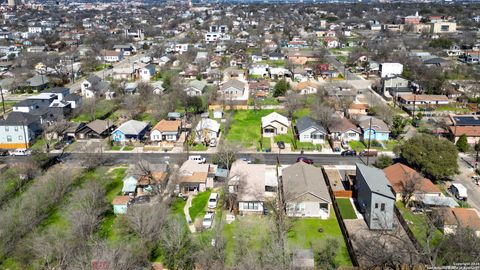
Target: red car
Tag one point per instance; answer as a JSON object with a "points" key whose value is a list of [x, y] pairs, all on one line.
{"points": [[304, 159]]}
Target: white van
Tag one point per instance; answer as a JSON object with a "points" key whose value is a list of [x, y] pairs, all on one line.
{"points": [[213, 200], [459, 191], [198, 159], [20, 152]]}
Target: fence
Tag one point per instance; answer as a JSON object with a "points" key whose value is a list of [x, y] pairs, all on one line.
{"points": [[341, 223], [409, 232], [343, 194]]}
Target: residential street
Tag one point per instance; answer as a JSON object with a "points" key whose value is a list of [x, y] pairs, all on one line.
{"points": [[466, 168]]}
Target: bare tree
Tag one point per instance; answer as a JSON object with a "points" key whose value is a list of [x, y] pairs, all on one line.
{"points": [[93, 156], [410, 186], [293, 103], [147, 221], [325, 114], [177, 245]]}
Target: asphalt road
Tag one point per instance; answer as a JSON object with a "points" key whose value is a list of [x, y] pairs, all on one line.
{"points": [[466, 168], [172, 158]]}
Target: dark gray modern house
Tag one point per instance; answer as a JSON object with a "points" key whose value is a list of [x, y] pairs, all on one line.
{"points": [[375, 197]]}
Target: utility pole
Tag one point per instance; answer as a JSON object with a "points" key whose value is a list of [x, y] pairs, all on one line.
{"points": [[369, 140]]}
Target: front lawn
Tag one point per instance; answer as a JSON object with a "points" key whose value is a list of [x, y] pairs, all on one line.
{"points": [[346, 208], [264, 145], [199, 203], [287, 138], [305, 234], [245, 128], [307, 146], [198, 147], [357, 146]]}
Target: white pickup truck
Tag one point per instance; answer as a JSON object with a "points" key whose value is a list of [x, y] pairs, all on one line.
{"points": [[459, 191]]}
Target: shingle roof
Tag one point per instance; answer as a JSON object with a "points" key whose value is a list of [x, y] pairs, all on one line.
{"points": [[165, 125], [301, 178], [19, 118], [306, 122], [399, 173], [132, 127], [99, 126], [121, 200], [233, 83], [376, 180], [274, 116], [343, 125], [377, 124]]}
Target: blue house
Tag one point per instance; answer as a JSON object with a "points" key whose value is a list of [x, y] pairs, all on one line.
{"points": [[132, 130], [375, 197], [378, 130], [120, 204]]}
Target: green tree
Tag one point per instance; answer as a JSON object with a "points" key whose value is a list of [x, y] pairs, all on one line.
{"points": [[167, 83], [281, 88], [398, 126], [383, 161], [462, 143], [436, 158]]}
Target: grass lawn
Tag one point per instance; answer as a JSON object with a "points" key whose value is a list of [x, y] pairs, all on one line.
{"points": [[390, 144], [128, 148], [286, 138], [418, 224], [346, 208], [451, 108], [304, 234], [103, 108], [39, 144], [246, 127], [357, 146], [198, 204], [177, 207], [198, 147], [307, 146], [116, 148], [266, 144], [302, 112]]}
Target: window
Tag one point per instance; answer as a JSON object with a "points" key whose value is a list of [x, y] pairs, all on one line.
{"points": [[16, 128], [250, 206], [20, 137], [9, 138], [6, 128], [376, 206], [270, 189], [382, 207], [324, 206]]}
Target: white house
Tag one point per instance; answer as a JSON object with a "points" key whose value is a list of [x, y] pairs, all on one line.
{"points": [[93, 86], [110, 56], [274, 124], [195, 88], [147, 72], [259, 70], [344, 130], [206, 130], [311, 131], [166, 130], [233, 89]]}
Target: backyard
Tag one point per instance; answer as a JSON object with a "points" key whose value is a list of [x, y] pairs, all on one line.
{"points": [[346, 208], [199, 202], [103, 108]]}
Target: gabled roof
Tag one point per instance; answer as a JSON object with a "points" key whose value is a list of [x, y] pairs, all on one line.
{"points": [[399, 173], [377, 124], [250, 179], [301, 178], [376, 180], [274, 116], [93, 79], [233, 83], [200, 85], [38, 80], [19, 118], [343, 125], [207, 123], [121, 200], [165, 125], [306, 122], [132, 127], [99, 126]]}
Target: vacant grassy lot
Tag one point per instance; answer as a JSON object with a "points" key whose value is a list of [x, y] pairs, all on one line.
{"points": [[346, 208], [245, 128], [198, 204], [103, 108]]}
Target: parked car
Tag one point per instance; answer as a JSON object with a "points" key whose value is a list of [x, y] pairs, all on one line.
{"points": [[304, 159], [208, 220], [213, 200], [183, 196], [247, 160], [369, 153], [20, 152], [197, 158], [281, 144], [349, 153], [212, 143], [4, 153], [459, 191]]}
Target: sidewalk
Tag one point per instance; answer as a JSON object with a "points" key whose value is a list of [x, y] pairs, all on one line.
{"points": [[190, 222]]}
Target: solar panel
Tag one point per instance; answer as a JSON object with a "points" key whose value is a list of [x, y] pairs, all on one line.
{"points": [[467, 120]]}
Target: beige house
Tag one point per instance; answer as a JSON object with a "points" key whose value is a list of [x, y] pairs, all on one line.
{"points": [[195, 177], [274, 124], [443, 27]]}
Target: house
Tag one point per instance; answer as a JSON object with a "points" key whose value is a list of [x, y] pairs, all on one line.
{"points": [[126, 49], [155, 181], [401, 176], [305, 88], [120, 204], [310, 130], [256, 57], [252, 186], [195, 88], [390, 69], [331, 42], [166, 131], [453, 218], [38, 82], [110, 56], [206, 130], [395, 86], [357, 109], [174, 116], [374, 129], [375, 197], [130, 130], [97, 129], [423, 100], [194, 177], [443, 27], [157, 87], [93, 86], [218, 113], [234, 73], [234, 89], [344, 130], [306, 191], [260, 70], [129, 185], [276, 56], [147, 72], [274, 124], [465, 124], [18, 130]]}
